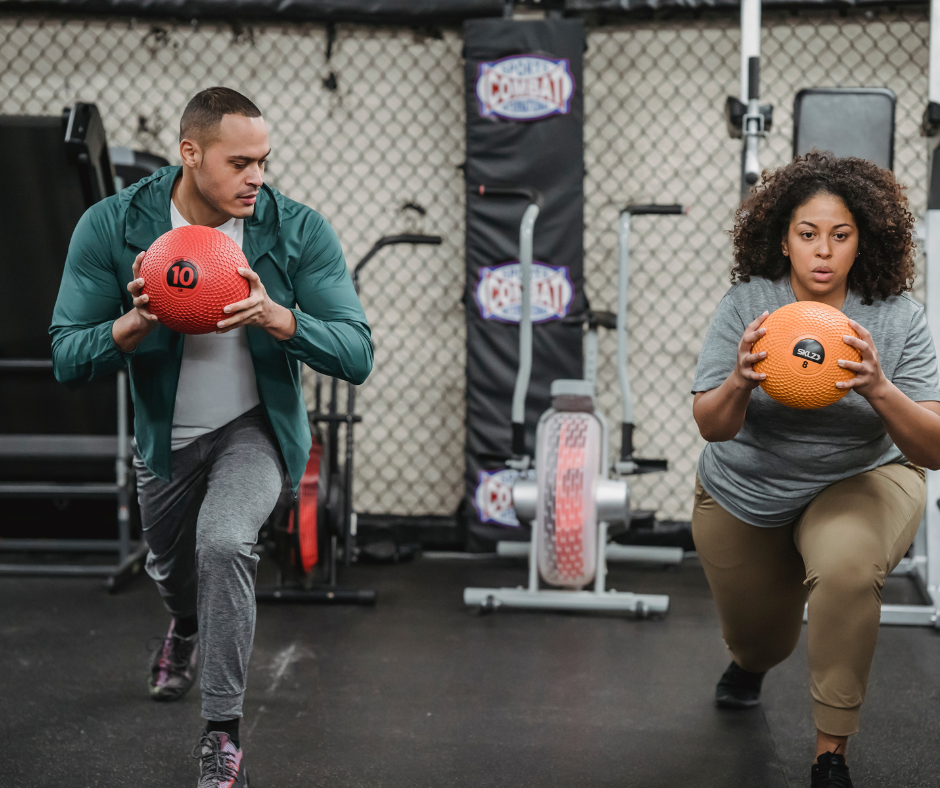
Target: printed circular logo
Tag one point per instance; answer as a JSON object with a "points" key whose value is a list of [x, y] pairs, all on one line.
{"points": [[182, 278], [524, 87], [807, 356]]}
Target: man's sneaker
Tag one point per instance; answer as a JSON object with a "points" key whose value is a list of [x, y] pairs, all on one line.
{"points": [[830, 771], [738, 688], [174, 666], [221, 762]]}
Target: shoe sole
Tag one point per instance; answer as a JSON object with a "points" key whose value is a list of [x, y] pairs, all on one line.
{"points": [[736, 703], [164, 696]]}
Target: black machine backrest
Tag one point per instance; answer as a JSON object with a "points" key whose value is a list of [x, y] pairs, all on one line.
{"points": [[51, 183], [132, 165], [855, 122]]}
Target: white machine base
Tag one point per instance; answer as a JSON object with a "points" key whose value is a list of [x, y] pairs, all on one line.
{"points": [[927, 615], [649, 554], [494, 598], [904, 616]]}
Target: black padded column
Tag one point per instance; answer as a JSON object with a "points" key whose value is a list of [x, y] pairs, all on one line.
{"points": [[525, 117]]}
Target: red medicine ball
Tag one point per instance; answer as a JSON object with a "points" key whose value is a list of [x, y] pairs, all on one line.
{"points": [[190, 274]]}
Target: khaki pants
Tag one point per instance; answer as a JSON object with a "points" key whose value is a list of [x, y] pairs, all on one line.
{"points": [[836, 556]]}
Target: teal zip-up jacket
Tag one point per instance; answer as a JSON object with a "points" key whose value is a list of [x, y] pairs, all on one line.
{"points": [[300, 262]]}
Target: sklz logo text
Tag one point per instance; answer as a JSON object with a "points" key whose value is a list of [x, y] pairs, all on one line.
{"points": [[182, 275], [809, 350]]}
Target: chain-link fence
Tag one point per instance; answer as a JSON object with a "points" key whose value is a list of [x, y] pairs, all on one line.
{"points": [[380, 123]]}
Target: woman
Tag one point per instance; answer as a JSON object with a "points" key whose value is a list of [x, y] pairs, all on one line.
{"points": [[796, 506]]}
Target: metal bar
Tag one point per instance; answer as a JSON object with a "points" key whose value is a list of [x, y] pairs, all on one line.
{"points": [[57, 570], [59, 545], [24, 364], [622, 286], [931, 536], [651, 554], [526, 235], [534, 557], [318, 596], [750, 91], [121, 470], [40, 447], [600, 576], [750, 40], [933, 79], [494, 598], [590, 356], [389, 240], [348, 476], [45, 490]]}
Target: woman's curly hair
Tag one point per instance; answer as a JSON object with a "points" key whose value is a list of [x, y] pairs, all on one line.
{"points": [[885, 265]]}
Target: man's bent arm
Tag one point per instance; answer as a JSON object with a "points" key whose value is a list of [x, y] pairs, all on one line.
{"points": [[88, 303], [337, 342]]}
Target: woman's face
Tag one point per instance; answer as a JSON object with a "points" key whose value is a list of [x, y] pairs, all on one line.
{"points": [[822, 244]]}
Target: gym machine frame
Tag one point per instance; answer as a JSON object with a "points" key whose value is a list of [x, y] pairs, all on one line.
{"points": [[923, 567], [337, 509], [85, 142], [628, 464], [611, 496]]}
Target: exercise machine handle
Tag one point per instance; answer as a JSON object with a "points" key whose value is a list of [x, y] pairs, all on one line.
{"points": [[626, 441], [534, 196], [390, 240], [623, 278], [518, 439], [655, 210], [526, 242]]}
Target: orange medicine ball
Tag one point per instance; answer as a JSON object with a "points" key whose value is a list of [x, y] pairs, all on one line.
{"points": [[804, 344], [190, 274]]}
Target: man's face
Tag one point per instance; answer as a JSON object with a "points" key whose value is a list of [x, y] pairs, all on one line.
{"points": [[230, 170]]}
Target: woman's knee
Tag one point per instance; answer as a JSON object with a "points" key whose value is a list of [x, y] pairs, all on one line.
{"points": [[846, 576], [759, 652]]}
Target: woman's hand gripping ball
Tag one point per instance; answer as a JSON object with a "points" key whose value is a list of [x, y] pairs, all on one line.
{"points": [[870, 380], [744, 372]]}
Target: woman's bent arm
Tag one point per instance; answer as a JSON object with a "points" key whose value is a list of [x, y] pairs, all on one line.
{"points": [[720, 412]]}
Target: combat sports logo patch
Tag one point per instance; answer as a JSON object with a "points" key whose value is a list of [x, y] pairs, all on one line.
{"points": [[499, 292], [524, 87], [493, 497]]}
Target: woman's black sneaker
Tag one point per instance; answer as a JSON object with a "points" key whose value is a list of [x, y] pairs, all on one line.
{"points": [[738, 688], [830, 771]]}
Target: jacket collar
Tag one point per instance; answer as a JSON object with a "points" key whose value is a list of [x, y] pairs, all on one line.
{"points": [[147, 206]]}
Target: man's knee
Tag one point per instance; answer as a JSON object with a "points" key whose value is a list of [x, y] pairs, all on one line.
{"points": [[220, 548]]}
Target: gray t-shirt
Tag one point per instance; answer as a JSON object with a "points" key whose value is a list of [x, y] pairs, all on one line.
{"points": [[783, 457]]}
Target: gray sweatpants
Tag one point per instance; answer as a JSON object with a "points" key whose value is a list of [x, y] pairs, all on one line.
{"points": [[200, 529]]}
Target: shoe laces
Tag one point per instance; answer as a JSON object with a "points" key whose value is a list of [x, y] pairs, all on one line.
{"points": [[835, 774], [216, 765], [173, 655]]}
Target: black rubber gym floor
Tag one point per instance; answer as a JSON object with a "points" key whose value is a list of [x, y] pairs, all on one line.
{"points": [[419, 692]]}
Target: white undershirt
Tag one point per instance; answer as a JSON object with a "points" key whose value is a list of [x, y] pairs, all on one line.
{"points": [[217, 377]]}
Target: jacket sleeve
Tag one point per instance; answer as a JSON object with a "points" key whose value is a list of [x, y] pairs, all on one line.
{"points": [[88, 303], [332, 334]]}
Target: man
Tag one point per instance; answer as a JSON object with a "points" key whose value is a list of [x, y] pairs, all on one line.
{"points": [[220, 418]]}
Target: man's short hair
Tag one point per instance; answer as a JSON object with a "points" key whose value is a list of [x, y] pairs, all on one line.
{"points": [[203, 114]]}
